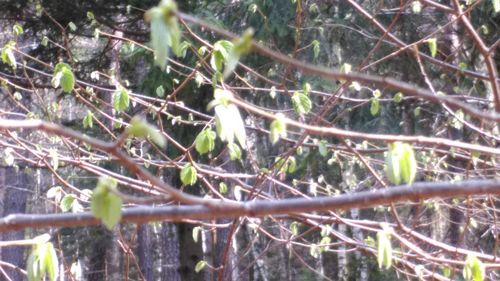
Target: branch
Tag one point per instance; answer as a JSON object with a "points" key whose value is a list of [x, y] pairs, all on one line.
{"points": [[261, 208]]}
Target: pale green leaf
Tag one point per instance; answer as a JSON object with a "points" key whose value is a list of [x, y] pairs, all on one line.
{"points": [[234, 151], [189, 176], [374, 106], [67, 202], [196, 233], [121, 99], [432, 43], [496, 5], [384, 250], [160, 91], [278, 128], [88, 120], [205, 141], [316, 48], [105, 204], [301, 103], [141, 129], [8, 54], [200, 266], [398, 97], [322, 148]]}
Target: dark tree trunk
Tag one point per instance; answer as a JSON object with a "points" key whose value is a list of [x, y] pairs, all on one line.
{"points": [[171, 253], [14, 185], [144, 251]]}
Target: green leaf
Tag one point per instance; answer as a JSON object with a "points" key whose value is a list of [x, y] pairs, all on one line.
{"points": [[401, 165], [306, 88], [316, 48], [188, 175], [45, 41], [398, 97], [141, 129], [228, 121], [278, 128], [8, 54], [72, 26], [17, 29], [301, 103], [160, 91], [200, 266], [63, 76], [473, 269], [55, 192], [205, 141], [165, 31], [374, 106], [234, 151], [88, 120], [220, 54], [432, 43], [67, 202], [447, 271], [294, 228], [384, 250], [105, 204], [223, 187], [292, 165], [42, 260], [121, 99], [241, 46]]}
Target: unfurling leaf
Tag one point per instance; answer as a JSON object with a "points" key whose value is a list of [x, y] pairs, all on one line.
{"points": [[8, 54], [189, 176], [401, 165], [121, 99], [228, 121], [67, 202], [240, 47], [432, 43], [165, 31], [196, 233], [88, 120], [316, 48], [234, 151], [220, 54], [63, 76], [278, 128], [141, 129], [301, 103], [205, 141], [105, 204], [384, 249], [474, 269], [374, 106], [200, 266], [43, 260]]}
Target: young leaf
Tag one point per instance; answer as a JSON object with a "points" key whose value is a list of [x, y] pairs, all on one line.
{"points": [[384, 250], [200, 266], [241, 46], [432, 43], [67, 202], [205, 141], [88, 120], [292, 165], [474, 269], [301, 103], [160, 91], [63, 76], [234, 151], [374, 106], [496, 5], [398, 97], [189, 175], [316, 48], [401, 165], [323, 150], [220, 54], [228, 121], [141, 129], [121, 99], [17, 29], [278, 128], [42, 260], [416, 7], [105, 204], [8, 54]]}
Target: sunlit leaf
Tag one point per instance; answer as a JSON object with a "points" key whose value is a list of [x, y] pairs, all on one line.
{"points": [[374, 106], [316, 48], [196, 233], [401, 165], [240, 47], [121, 99], [234, 151], [88, 120], [105, 204], [384, 250], [278, 128], [141, 129], [189, 176], [474, 269], [432, 43], [67, 202], [8, 54], [205, 141], [200, 266], [301, 103]]}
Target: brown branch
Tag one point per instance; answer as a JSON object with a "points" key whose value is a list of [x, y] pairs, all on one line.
{"points": [[260, 208]]}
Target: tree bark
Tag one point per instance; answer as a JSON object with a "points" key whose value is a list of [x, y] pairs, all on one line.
{"points": [[144, 251]]}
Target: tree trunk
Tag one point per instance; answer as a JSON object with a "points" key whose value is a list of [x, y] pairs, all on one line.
{"points": [[144, 251], [171, 253], [14, 185]]}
